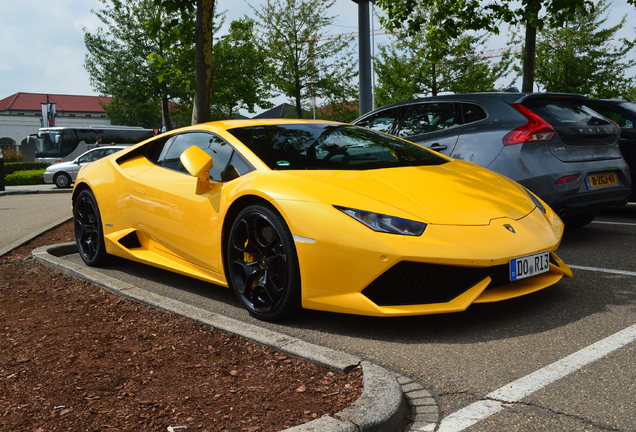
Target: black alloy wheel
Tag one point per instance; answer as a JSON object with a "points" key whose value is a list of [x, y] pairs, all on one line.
{"points": [[62, 180], [262, 265], [89, 235]]}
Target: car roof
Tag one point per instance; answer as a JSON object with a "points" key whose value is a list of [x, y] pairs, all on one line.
{"points": [[230, 124], [508, 97]]}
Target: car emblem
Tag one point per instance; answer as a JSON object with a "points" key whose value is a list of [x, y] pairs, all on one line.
{"points": [[510, 228]]}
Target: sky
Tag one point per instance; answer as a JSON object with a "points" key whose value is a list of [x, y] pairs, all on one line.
{"points": [[42, 46]]}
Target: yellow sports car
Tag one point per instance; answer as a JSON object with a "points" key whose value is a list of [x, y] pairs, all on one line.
{"points": [[320, 215]]}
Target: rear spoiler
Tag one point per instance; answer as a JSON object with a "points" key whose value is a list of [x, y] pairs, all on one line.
{"points": [[531, 97]]}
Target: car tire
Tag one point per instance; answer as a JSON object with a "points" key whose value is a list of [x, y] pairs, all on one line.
{"points": [[62, 180], [89, 234], [262, 265], [579, 220]]}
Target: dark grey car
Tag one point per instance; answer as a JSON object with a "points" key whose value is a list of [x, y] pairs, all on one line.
{"points": [[624, 114], [564, 152]]}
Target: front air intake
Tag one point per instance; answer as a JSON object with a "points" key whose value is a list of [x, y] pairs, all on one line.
{"points": [[410, 283]]}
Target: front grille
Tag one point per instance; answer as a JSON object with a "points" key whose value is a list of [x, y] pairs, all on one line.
{"points": [[409, 283]]}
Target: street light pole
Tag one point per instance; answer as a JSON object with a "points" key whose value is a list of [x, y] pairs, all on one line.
{"points": [[364, 52]]}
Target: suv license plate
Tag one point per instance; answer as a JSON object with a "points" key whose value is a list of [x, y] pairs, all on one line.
{"points": [[529, 265], [603, 179]]}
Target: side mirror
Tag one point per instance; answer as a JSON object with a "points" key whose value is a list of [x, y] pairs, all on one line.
{"points": [[198, 163]]}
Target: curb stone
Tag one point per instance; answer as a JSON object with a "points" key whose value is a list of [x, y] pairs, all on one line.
{"points": [[423, 407], [383, 405], [34, 191]]}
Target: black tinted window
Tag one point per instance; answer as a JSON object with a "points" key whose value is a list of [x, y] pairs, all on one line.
{"points": [[324, 146], [619, 118], [473, 113], [428, 117], [382, 121], [213, 145], [568, 113]]}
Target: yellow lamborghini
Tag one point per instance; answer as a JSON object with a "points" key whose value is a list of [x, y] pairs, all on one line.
{"points": [[320, 215]]}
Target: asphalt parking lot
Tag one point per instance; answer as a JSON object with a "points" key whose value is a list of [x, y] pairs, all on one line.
{"points": [[560, 359]]}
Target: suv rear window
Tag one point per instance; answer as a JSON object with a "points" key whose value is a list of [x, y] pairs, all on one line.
{"points": [[568, 113]]}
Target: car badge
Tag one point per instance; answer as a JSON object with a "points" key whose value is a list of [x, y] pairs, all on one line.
{"points": [[510, 228]]}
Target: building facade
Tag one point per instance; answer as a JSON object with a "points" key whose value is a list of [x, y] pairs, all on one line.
{"points": [[21, 114]]}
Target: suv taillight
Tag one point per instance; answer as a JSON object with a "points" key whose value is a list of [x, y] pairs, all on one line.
{"points": [[535, 130]]}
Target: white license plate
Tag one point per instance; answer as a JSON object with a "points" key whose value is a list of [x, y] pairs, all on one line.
{"points": [[529, 265]]}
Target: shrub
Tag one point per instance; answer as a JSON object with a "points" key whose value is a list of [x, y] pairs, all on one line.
{"points": [[12, 156], [12, 167], [28, 177]]}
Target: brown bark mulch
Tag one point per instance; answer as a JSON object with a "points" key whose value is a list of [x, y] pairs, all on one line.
{"points": [[75, 357]]}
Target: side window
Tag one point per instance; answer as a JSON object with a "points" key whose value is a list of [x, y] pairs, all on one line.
{"points": [[428, 117], [169, 157], [237, 167], [219, 149], [92, 156], [382, 121], [622, 121], [152, 151], [473, 113]]}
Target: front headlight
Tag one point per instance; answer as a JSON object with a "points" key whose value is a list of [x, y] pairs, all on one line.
{"points": [[536, 201], [384, 223]]}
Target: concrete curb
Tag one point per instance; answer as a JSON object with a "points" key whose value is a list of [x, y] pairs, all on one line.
{"points": [[34, 191], [31, 236], [382, 407]]}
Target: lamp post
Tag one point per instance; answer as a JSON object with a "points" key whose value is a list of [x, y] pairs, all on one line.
{"points": [[364, 53]]}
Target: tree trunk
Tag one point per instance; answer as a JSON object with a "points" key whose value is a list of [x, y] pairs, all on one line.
{"points": [[203, 68], [530, 48], [299, 108]]}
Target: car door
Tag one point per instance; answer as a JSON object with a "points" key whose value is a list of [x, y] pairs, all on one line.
{"points": [[431, 124], [169, 211]]}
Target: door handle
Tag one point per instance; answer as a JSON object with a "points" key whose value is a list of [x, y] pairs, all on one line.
{"points": [[139, 190], [438, 147]]}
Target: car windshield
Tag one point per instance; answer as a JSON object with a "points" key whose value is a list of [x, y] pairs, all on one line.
{"points": [[330, 147]]}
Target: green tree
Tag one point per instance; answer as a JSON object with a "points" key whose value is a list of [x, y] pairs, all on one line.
{"points": [[305, 64], [454, 17], [145, 113], [137, 57], [240, 68], [203, 11], [582, 56], [425, 64]]}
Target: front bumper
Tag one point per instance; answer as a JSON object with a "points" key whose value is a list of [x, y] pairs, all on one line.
{"points": [[48, 177], [354, 270]]}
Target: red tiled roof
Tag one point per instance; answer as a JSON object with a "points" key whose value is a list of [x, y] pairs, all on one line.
{"points": [[31, 102]]}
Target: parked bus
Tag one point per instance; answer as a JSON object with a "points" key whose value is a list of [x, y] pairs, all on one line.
{"points": [[61, 144]]}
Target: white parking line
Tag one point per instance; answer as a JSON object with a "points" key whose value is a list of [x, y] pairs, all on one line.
{"points": [[613, 223], [603, 270], [519, 389]]}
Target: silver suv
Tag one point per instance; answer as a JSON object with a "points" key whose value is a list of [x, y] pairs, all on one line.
{"points": [[551, 143]]}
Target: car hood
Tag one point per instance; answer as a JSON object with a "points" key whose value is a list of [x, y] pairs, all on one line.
{"points": [[454, 193], [61, 166]]}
